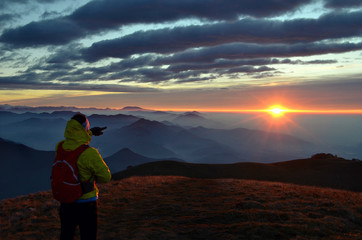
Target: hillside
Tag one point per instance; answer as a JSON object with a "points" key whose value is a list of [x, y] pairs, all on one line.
{"points": [[187, 208], [23, 170], [323, 170], [126, 158]]}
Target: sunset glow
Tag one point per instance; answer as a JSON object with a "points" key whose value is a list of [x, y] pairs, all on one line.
{"points": [[274, 110]]}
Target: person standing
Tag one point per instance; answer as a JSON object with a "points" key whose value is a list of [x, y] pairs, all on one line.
{"points": [[92, 169]]}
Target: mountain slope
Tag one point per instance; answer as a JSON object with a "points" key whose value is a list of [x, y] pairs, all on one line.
{"points": [[126, 158], [186, 208], [23, 170], [325, 172]]}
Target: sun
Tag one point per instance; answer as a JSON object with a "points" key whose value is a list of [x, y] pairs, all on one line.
{"points": [[277, 110]]}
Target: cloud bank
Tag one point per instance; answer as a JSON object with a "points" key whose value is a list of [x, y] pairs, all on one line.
{"points": [[173, 42]]}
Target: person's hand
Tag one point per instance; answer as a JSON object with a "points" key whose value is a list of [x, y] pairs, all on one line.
{"points": [[97, 131]]}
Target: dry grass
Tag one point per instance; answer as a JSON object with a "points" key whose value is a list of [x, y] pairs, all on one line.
{"points": [[187, 208]]}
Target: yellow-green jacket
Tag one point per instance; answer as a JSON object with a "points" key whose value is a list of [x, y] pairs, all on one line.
{"points": [[90, 163]]}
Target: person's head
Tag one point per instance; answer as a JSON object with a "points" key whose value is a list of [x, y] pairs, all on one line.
{"points": [[82, 119]]}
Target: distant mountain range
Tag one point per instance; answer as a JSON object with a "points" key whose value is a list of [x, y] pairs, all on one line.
{"points": [[7, 107], [174, 137], [203, 145]]}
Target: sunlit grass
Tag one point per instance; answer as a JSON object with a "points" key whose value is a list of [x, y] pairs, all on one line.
{"points": [[185, 208]]}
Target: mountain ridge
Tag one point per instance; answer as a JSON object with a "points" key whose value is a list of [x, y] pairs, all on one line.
{"points": [[332, 172], [126, 158]]}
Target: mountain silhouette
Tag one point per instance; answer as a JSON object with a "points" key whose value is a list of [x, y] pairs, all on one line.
{"points": [[330, 171], [133, 108], [112, 121], [23, 170], [7, 117], [126, 158], [192, 119]]}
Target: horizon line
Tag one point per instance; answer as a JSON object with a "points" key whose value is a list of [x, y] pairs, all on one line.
{"points": [[284, 110], [218, 110]]}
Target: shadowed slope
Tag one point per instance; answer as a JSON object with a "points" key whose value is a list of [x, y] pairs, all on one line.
{"points": [[331, 172], [23, 169]]}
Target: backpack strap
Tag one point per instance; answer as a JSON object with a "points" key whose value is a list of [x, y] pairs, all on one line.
{"points": [[60, 146]]}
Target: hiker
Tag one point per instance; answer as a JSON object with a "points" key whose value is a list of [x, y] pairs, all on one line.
{"points": [[91, 167]]}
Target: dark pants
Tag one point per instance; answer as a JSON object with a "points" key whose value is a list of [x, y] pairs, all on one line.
{"points": [[83, 215]]}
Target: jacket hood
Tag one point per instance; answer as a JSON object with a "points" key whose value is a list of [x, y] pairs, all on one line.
{"points": [[75, 134]]}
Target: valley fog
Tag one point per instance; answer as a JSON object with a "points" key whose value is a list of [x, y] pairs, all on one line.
{"points": [[327, 129], [194, 136]]}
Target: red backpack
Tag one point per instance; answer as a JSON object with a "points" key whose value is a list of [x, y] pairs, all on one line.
{"points": [[65, 182]]}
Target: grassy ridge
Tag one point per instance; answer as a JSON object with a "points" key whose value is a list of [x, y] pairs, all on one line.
{"points": [[162, 207], [324, 170]]}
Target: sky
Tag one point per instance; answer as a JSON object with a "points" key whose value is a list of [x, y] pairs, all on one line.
{"points": [[184, 54]]}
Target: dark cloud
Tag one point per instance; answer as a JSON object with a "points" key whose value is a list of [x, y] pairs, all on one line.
{"points": [[111, 14], [149, 68], [342, 3], [319, 62], [50, 14], [157, 74], [250, 69], [34, 81], [195, 79], [48, 1], [188, 66], [6, 3], [243, 50], [248, 50], [225, 63], [54, 32], [66, 54], [219, 63], [6, 17], [330, 26]]}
